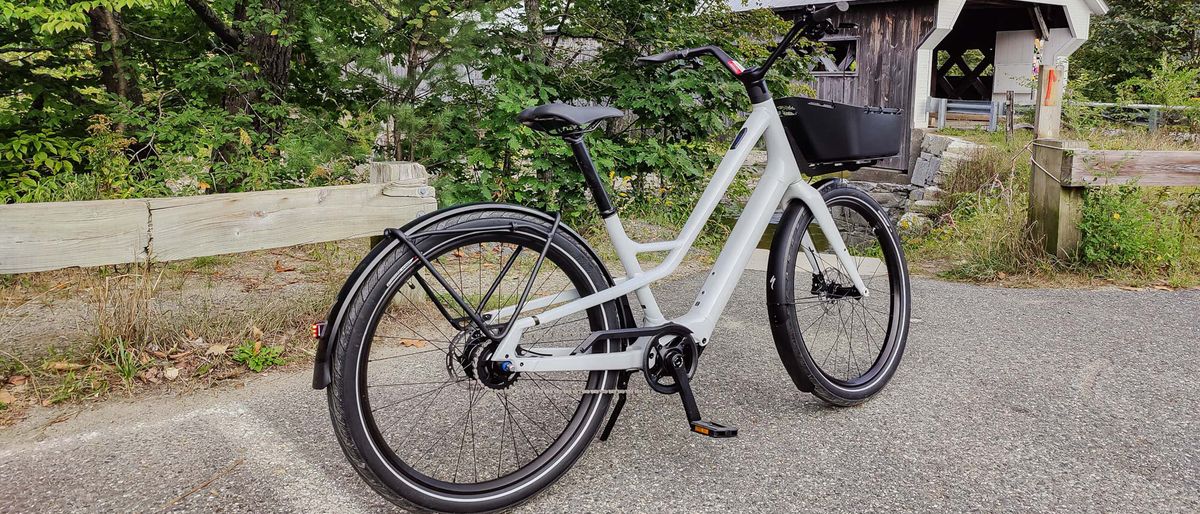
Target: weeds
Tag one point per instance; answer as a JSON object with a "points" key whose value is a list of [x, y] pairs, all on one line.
{"points": [[123, 359], [1130, 235], [79, 385], [258, 357], [123, 306]]}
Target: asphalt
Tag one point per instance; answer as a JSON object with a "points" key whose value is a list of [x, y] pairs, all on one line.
{"points": [[1007, 400]]}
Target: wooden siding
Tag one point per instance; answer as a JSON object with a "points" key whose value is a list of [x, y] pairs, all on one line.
{"points": [[888, 37]]}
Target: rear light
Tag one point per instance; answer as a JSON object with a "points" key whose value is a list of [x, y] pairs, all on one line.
{"points": [[318, 330]]}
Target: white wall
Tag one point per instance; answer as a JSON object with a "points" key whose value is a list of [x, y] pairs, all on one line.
{"points": [[1015, 56]]}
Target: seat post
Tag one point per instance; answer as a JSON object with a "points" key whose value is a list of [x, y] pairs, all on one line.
{"points": [[584, 161]]}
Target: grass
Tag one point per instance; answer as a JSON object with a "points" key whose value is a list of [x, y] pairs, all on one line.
{"points": [[1132, 236], [174, 324]]}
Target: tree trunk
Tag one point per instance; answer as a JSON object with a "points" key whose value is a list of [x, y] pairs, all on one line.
{"points": [[115, 74], [534, 30]]}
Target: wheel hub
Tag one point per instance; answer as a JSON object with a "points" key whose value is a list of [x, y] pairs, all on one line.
{"points": [[475, 362], [828, 286]]}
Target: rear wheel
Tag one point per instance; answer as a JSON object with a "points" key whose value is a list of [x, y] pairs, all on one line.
{"points": [[421, 410], [839, 345]]}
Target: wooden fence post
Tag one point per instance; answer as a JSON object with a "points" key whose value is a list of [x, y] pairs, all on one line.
{"points": [[394, 171], [1055, 203], [1011, 119], [1052, 80]]}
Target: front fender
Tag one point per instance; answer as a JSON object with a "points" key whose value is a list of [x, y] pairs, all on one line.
{"points": [[327, 344]]}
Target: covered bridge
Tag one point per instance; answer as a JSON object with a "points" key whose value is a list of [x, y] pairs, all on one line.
{"points": [[906, 52]]}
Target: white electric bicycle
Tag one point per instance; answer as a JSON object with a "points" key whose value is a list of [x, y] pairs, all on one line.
{"points": [[472, 356]]}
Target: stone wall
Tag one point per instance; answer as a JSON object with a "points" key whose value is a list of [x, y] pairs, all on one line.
{"points": [[910, 203]]}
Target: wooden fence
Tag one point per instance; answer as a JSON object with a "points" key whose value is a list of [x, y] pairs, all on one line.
{"points": [[49, 236], [1062, 170]]}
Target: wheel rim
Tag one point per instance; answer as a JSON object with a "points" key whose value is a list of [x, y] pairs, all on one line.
{"points": [[849, 338], [495, 438]]}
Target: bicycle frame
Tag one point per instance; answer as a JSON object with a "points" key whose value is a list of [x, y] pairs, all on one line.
{"points": [[780, 184]]}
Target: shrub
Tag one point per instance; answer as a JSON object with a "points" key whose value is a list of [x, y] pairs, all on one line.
{"points": [[1130, 226]]}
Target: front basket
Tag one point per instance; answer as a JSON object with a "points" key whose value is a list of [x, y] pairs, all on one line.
{"points": [[829, 132]]}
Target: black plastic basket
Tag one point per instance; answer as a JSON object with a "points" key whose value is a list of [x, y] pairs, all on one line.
{"points": [[829, 132]]}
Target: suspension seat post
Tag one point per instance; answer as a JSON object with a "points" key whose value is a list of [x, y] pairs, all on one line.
{"points": [[583, 160]]}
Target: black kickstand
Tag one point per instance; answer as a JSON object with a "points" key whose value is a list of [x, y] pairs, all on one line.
{"points": [[622, 385]]}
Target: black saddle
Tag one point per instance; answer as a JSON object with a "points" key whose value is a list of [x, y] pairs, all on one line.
{"points": [[560, 118]]}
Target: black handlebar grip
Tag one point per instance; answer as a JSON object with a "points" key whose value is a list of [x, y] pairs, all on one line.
{"points": [[660, 58]]}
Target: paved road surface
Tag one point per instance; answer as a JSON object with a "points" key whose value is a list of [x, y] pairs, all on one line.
{"points": [[1006, 400]]}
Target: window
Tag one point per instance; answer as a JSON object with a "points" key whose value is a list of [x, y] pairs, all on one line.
{"points": [[841, 57]]}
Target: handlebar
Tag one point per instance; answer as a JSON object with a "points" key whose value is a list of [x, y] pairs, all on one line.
{"points": [[830, 11], [812, 24], [691, 53]]}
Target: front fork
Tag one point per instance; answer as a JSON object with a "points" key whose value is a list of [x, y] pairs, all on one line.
{"points": [[812, 198]]}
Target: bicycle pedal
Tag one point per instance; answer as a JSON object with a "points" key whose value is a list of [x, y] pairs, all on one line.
{"points": [[713, 429]]}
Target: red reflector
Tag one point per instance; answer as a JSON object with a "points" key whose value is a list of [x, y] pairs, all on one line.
{"points": [[737, 67]]}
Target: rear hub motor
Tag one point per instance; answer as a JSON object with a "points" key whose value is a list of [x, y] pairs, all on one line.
{"points": [[475, 363]]}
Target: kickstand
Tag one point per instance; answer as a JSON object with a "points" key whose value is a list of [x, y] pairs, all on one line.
{"points": [[622, 385]]}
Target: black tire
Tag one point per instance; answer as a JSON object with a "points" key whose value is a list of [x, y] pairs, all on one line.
{"points": [[371, 454], [793, 294]]}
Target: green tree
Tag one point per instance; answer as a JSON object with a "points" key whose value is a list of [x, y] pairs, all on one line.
{"points": [[1129, 42]]}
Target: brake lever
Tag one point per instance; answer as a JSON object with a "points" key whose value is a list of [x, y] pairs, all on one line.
{"points": [[693, 63]]}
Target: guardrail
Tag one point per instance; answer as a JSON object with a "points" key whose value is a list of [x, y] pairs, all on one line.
{"points": [[49, 236], [1062, 170]]}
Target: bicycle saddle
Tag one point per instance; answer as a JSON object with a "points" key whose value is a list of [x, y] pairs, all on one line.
{"points": [[560, 117]]}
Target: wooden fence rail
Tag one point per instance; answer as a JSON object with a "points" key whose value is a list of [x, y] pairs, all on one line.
{"points": [[1062, 170], [49, 236]]}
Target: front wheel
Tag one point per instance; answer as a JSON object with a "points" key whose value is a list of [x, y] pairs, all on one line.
{"points": [[836, 343]]}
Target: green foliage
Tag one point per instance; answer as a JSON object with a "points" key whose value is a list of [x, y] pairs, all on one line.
{"points": [[79, 385], [1131, 234], [1132, 38], [258, 357], [122, 357], [676, 116], [1126, 226], [136, 98]]}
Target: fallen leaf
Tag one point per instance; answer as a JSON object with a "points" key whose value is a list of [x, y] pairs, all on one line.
{"points": [[17, 380], [217, 349], [6, 397], [256, 333], [279, 268], [158, 354], [1002, 275], [64, 366], [171, 373], [413, 343], [145, 358], [151, 375], [193, 339], [1163, 288], [1127, 288]]}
